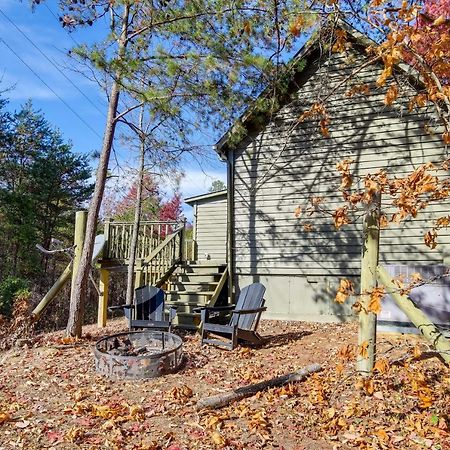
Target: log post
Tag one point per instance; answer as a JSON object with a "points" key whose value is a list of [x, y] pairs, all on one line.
{"points": [[431, 333], [369, 263], [78, 240], [103, 298]]}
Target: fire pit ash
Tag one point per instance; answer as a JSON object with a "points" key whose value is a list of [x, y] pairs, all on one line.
{"points": [[138, 355]]}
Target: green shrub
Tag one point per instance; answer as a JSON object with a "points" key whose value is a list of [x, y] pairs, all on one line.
{"points": [[9, 289]]}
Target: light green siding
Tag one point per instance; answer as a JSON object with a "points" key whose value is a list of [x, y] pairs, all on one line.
{"points": [[287, 163], [210, 229]]}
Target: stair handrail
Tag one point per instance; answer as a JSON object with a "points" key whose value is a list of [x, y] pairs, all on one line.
{"points": [[166, 267], [163, 244], [219, 287]]}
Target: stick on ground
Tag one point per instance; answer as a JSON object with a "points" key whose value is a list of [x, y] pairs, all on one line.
{"points": [[217, 401]]}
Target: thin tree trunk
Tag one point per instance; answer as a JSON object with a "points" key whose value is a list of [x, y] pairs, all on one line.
{"points": [[137, 214], [79, 288]]}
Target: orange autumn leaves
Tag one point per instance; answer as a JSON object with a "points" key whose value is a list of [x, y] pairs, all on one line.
{"points": [[346, 289], [408, 195]]}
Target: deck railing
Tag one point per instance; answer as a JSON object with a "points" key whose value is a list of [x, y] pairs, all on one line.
{"points": [[159, 265], [150, 236]]}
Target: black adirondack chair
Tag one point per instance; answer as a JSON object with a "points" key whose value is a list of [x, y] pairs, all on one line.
{"points": [[243, 322], [147, 311]]}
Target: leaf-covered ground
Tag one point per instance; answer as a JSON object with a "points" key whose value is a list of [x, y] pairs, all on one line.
{"points": [[51, 397]]}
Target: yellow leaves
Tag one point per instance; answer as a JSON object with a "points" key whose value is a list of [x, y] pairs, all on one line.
{"points": [[4, 417], [443, 222], [385, 74], [340, 216], [105, 412], [181, 394], [391, 95], [363, 89], [75, 434], [419, 100], [376, 296], [347, 353], [217, 438], [341, 42], [258, 421], [382, 435], [319, 112], [297, 26], [344, 168], [247, 27], [298, 212], [366, 384], [345, 289], [381, 365], [137, 412], [430, 239], [446, 138], [439, 21], [363, 349], [425, 399]]}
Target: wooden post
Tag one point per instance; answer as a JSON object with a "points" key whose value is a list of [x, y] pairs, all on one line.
{"points": [[183, 249], [106, 232], [103, 298], [52, 293], [369, 263], [417, 317], [80, 232], [138, 270]]}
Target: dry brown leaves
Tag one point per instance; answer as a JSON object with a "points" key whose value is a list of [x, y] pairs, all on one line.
{"points": [[61, 401]]}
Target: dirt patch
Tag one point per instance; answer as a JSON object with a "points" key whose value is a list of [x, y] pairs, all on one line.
{"points": [[51, 397]]}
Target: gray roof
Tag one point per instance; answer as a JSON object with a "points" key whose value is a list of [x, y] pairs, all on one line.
{"points": [[207, 196]]}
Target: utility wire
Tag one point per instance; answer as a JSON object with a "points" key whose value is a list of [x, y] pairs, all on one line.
{"points": [[50, 88], [51, 62]]}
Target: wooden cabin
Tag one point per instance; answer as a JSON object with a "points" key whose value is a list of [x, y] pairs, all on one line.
{"points": [[281, 163]]}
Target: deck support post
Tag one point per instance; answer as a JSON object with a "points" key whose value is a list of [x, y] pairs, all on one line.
{"points": [[138, 280], [103, 298], [369, 262]]}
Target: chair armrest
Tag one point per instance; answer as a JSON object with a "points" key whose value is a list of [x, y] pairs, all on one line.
{"points": [[172, 312], [249, 311], [214, 308], [116, 307]]}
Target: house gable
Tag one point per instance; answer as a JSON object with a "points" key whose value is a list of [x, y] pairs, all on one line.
{"points": [[286, 163]]}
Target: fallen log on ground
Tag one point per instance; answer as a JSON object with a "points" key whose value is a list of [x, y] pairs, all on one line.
{"points": [[217, 401]]}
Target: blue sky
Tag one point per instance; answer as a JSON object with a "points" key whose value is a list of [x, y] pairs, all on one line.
{"points": [[60, 98]]}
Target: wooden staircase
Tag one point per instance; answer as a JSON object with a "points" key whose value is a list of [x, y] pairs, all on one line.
{"points": [[193, 285]]}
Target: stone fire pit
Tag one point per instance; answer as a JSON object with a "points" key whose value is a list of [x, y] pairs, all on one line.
{"points": [[138, 354]]}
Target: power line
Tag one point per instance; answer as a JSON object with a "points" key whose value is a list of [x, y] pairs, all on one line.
{"points": [[51, 61], [50, 88]]}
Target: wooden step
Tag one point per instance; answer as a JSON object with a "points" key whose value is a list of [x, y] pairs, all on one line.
{"points": [[195, 283], [181, 303], [206, 293]]}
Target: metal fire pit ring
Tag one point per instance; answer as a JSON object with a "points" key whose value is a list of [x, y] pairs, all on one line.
{"points": [[162, 354]]}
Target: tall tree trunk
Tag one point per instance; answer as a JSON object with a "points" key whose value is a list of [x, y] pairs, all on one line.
{"points": [[137, 213], [79, 288]]}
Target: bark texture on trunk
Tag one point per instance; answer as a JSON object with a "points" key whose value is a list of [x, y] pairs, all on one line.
{"points": [[79, 287]]}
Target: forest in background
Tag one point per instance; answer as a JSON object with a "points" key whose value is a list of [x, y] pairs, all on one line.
{"points": [[43, 182]]}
